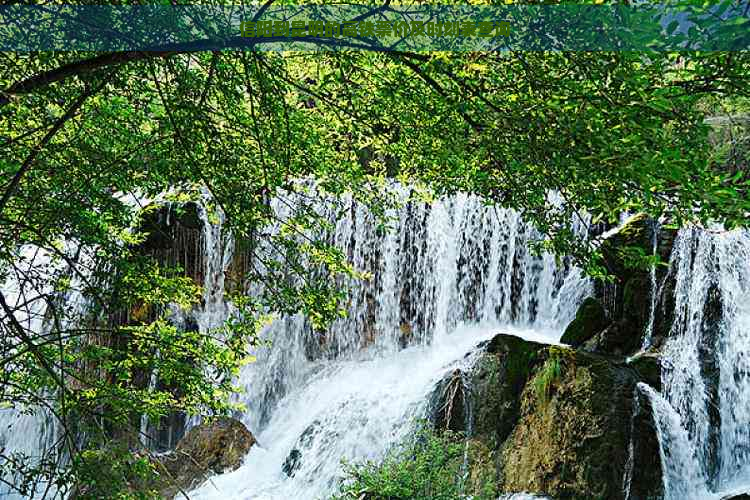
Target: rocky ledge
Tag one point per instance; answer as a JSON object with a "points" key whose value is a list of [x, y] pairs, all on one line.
{"points": [[551, 420]]}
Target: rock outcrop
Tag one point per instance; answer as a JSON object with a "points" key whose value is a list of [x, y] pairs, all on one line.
{"points": [[209, 448], [628, 298], [591, 318], [555, 421]]}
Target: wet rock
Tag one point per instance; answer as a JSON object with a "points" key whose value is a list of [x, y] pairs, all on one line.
{"points": [[559, 422], [292, 462], [207, 449], [648, 366], [306, 440], [628, 298], [174, 237], [591, 318], [636, 300], [646, 470], [635, 233], [573, 435], [448, 403], [497, 379], [741, 496], [620, 338], [708, 352]]}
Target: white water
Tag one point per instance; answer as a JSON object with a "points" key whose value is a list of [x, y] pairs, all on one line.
{"points": [[648, 334], [31, 436], [446, 276], [347, 409], [450, 274], [706, 458]]}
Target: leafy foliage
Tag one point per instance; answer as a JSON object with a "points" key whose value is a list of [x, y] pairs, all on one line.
{"points": [[429, 465]]}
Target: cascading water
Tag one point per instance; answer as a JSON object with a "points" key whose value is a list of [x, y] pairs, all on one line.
{"points": [[648, 334], [448, 275], [703, 416], [30, 437]]}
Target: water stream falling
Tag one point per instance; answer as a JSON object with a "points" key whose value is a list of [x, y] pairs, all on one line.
{"points": [[703, 414], [447, 276], [648, 334]]}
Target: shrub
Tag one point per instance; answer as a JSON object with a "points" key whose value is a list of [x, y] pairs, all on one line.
{"points": [[430, 465]]}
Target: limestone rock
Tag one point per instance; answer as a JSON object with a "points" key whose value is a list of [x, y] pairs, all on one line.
{"points": [[574, 430], [559, 422], [209, 448]]}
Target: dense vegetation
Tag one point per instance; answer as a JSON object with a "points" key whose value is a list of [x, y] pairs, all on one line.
{"points": [[567, 138], [429, 465]]}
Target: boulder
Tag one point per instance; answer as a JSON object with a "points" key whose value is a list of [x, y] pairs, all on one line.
{"points": [[574, 432], [628, 297], [448, 403], [489, 392], [648, 366], [591, 318], [555, 421], [634, 234], [620, 338], [496, 381], [213, 447]]}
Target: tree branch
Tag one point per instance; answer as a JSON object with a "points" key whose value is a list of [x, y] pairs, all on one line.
{"points": [[72, 110]]}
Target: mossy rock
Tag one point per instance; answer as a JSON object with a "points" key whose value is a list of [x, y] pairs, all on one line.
{"points": [[648, 366], [619, 339], [591, 318], [448, 403], [634, 234], [636, 300], [571, 441], [496, 381]]}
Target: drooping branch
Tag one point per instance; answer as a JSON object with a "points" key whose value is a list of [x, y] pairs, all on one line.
{"points": [[114, 59]]}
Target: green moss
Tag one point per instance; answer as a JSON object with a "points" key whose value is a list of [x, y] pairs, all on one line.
{"points": [[547, 377], [591, 318], [497, 380]]}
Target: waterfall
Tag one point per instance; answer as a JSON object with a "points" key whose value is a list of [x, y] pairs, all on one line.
{"points": [[448, 275], [704, 413], [444, 277], [648, 334], [31, 437], [683, 475]]}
